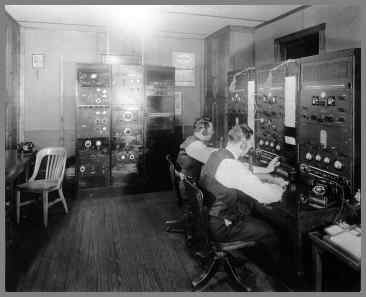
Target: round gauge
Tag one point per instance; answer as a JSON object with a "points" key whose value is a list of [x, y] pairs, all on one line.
{"points": [[271, 144], [127, 116], [318, 157], [98, 100], [278, 147], [261, 142], [98, 143], [308, 156], [319, 190], [326, 160], [87, 143], [127, 131], [82, 169], [338, 164], [132, 157]]}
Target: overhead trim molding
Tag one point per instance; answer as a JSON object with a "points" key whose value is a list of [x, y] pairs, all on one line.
{"points": [[61, 26], [215, 16], [302, 7]]}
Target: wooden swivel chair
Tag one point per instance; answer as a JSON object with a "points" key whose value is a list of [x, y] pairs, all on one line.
{"points": [[175, 226], [219, 254], [51, 181]]}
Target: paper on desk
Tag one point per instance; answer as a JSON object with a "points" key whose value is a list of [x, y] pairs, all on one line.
{"points": [[348, 241]]}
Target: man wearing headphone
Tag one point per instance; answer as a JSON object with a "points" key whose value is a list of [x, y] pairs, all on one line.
{"points": [[235, 192], [194, 151]]}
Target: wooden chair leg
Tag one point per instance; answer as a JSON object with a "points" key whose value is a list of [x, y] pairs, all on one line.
{"points": [[18, 206], [45, 208], [63, 199]]}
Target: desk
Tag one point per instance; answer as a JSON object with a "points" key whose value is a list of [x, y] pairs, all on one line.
{"points": [[319, 246], [15, 165], [295, 221]]}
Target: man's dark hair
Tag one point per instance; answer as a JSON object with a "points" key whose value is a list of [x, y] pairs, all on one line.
{"points": [[237, 133], [201, 124]]}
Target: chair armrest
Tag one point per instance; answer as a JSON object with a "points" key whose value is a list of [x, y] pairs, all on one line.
{"points": [[235, 245]]}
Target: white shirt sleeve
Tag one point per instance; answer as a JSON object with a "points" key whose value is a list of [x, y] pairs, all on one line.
{"points": [[234, 174], [199, 151]]}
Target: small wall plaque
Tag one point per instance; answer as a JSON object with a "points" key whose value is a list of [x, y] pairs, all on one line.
{"points": [[38, 60]]}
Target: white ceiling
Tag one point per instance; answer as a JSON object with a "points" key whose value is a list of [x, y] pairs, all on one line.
{"points": [[195, 21]]}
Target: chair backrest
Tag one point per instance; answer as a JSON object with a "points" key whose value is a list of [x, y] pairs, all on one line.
{"points": [[175, 177], [54, 166], [198, 212]]}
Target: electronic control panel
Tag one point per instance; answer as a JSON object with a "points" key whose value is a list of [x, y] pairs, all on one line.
{"points": [[329, 130], [93, 162], [93, 169], [275, 110], [127, 84], [240, 102], [100, 144], [93, 121], [98, 76], [93, 96]]}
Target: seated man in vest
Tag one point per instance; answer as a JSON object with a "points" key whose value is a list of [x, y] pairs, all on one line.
{"points": [[234, 191], [194, 151]]}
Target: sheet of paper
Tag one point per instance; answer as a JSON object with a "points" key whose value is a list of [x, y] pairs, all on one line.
{"points": [[290, 101], [349, 242], [251, 104]]}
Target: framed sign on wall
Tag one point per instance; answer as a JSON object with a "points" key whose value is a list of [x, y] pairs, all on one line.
{"points": [[38, 60], [184, 64]]}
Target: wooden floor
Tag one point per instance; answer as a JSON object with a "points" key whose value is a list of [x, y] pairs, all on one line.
{"points": [[111, 242]]}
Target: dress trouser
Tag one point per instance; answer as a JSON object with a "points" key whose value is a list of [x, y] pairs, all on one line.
{"points": [[266, 253]]}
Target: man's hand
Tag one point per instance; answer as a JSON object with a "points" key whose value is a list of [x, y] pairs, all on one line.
{"points": [[281, 182], [273, 164]]}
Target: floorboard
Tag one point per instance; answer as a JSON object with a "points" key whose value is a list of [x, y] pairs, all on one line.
{"points": [[108, 242]]}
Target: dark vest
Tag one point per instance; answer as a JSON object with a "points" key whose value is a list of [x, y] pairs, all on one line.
{"points": [[190, 167], [223, 202]]}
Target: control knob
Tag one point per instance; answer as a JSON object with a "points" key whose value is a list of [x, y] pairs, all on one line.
{"points": [[98, 143], [278, 147], [326, 160], [87, 143], [266, 143], [318, 157], [261, 142], [271, 144], [82, 169], [338, 164], [308, 156]]}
